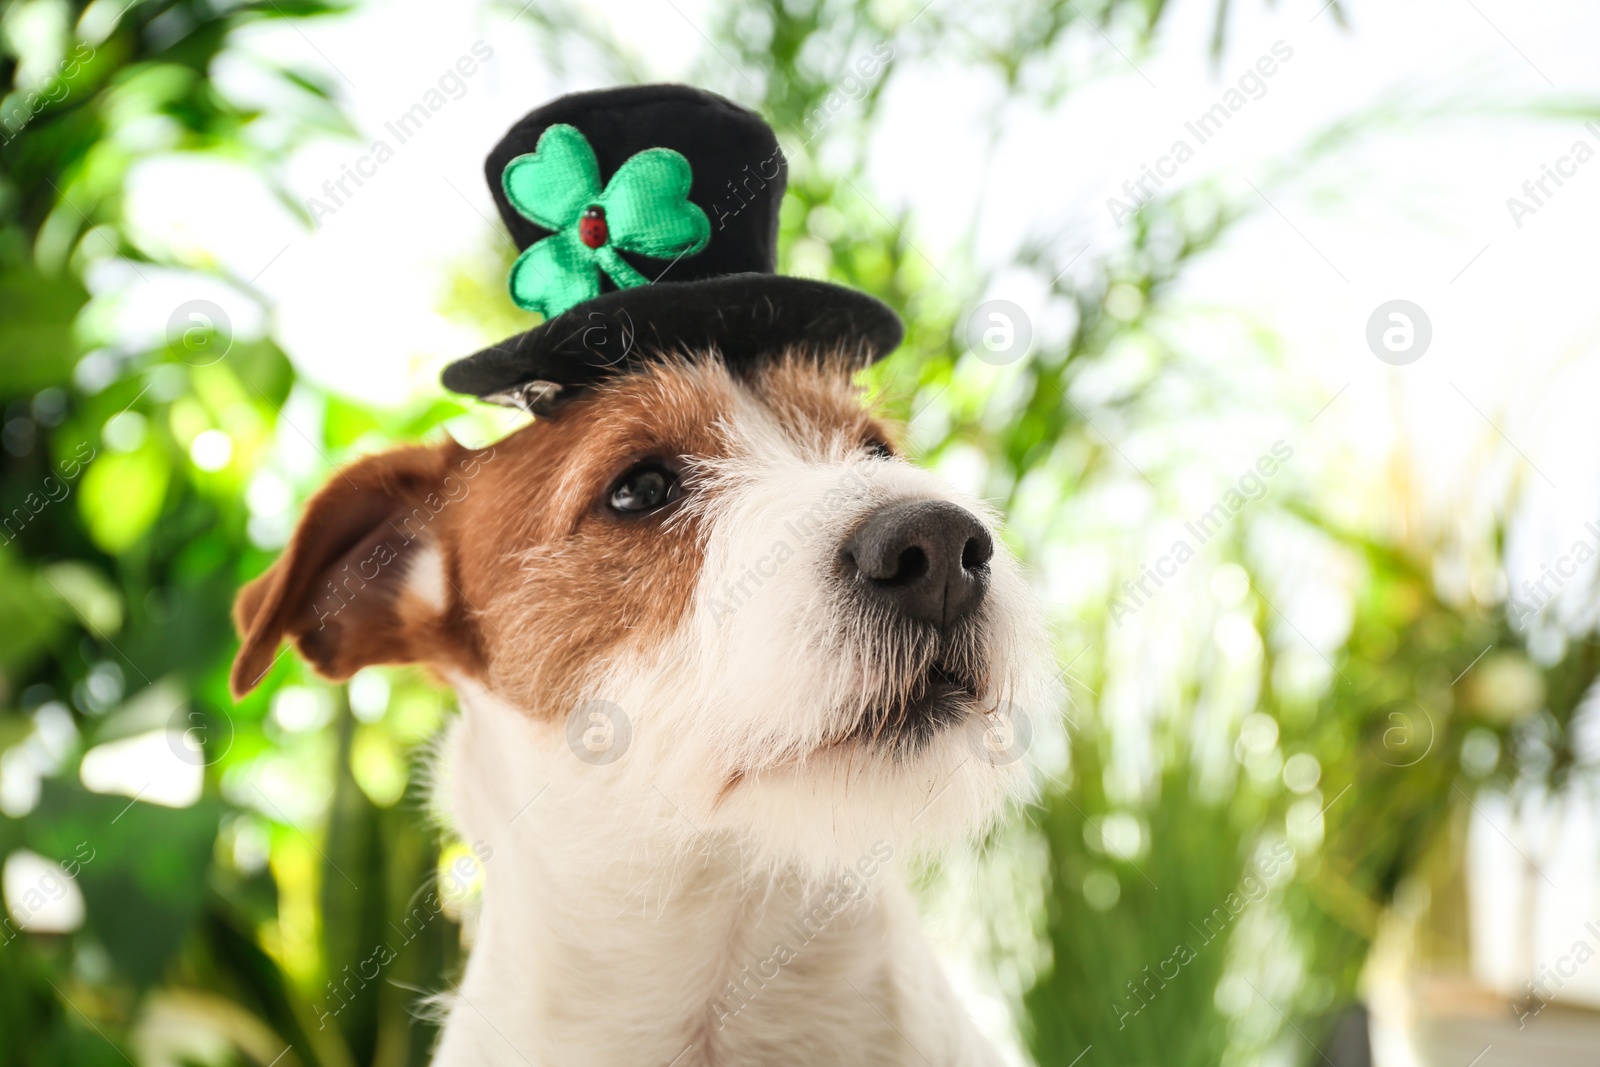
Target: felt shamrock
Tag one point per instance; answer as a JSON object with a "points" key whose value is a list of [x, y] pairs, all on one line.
{"points": [[644, 208]]}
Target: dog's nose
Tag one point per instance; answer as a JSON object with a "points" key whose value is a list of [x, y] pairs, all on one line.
{"points": [[928, 559]]}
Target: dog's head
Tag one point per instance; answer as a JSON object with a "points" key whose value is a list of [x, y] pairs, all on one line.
{"points": [[793, 632]]}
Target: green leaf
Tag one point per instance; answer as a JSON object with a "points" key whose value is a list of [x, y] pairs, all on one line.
{"points": [[554, 274], [121, 496], [648, 209], [29, 621], [554, 183], [141, 868], [89, 594], [36, 317]]}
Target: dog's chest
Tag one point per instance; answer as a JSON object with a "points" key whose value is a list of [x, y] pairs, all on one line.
{"points": [[614, 930], [769, 977], [711, 974]]}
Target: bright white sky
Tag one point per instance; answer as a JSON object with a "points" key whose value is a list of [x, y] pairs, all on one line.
{"points": [[1418, 212]]}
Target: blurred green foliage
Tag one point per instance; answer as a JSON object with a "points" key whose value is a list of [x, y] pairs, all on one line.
{"points": [[205, 938], [228, 930]]}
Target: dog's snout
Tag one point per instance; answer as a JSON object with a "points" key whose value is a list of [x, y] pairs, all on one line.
{"points": [[927, 559]]}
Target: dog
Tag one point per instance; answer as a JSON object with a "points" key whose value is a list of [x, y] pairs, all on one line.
{"points": [[725, 659]]}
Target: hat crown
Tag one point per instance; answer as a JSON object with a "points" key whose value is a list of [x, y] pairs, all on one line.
{"points": [[647, 217], [738, 170]]}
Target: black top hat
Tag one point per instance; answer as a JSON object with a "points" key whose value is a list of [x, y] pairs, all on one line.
{"points": [[648, 223]]}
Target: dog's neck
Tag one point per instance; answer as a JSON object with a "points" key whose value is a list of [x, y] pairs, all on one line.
{"points": [[612, 930]]}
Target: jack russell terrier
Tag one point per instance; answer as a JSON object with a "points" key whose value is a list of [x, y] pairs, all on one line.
{"points": [[725, 659]]}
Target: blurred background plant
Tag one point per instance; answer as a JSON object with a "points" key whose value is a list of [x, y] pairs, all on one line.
{"points": [[1281, 738]]}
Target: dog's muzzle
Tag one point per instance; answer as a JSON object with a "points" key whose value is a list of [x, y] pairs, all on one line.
{"points": [[920, 568]]}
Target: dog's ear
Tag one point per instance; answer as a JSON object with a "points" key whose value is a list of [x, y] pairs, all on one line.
{"points": [[366, 578]]}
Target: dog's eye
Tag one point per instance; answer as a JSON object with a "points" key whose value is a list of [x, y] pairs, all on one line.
{"points": [[878, 449], [644, 488]]}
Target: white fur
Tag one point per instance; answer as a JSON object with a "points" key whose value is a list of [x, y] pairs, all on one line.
{"points": [[622, 898], [425, 577]]}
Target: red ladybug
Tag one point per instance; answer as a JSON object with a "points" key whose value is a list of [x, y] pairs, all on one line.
{"points": [[592, 227]]}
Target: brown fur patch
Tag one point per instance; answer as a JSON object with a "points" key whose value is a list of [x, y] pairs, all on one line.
{"points": [[564, 582], [818, 402]]}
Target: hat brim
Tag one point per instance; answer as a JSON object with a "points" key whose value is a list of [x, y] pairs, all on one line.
{"points": [[743, 317]]}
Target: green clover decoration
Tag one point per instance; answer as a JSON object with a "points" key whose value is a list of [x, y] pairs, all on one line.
{"points": [[644, 208]]}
